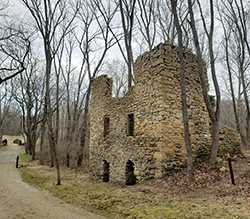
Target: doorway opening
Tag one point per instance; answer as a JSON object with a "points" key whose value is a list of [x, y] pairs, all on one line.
{"points": [[105, 171], [129, 174]]}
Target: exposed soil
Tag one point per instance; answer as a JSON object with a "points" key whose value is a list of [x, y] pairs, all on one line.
{"points": [[20, 201]]}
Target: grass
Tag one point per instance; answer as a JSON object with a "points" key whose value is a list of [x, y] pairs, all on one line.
{"points": [[119, 201], [24, 158]]}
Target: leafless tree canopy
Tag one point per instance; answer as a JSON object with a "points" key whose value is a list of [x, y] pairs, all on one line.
{"points": [[14, 49], [51, 56]]}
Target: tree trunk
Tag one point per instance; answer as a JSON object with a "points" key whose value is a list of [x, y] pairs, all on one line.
{"points": [[84, 127], [215, 123], [236, 112], [48, 113], [67, 159], [28, 143], [82, 141], [215, 142], [43, 128], [47, 105], [57, 108], [1, 122], [214, 116], [128, 16], [26, 148], [33, 141], [1, 128], [129, 75], [52, 163], [82, 144], [53, 148], [33, 149], [54, 22], [69, 124], [183, 96]]}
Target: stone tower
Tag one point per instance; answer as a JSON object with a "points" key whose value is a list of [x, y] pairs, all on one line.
{"points": [[140, 136]]}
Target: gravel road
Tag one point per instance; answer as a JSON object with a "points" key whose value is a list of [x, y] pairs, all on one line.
{"points": [[20, 201]]}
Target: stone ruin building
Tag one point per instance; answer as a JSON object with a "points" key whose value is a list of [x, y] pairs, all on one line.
{"points": [[140, 136]]}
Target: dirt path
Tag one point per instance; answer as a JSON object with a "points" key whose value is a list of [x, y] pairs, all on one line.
{"points": [[20, 201]]}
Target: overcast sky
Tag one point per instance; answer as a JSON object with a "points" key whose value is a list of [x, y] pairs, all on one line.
{"points": [[16, 7]]}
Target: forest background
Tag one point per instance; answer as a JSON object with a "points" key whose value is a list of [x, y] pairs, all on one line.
{"points": [[51, 50]]}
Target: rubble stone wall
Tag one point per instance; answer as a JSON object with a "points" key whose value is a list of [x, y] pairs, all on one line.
{"points": [[157, 145], [229, 142]]}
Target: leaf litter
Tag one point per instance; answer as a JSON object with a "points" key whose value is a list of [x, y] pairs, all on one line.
{"points": [[211, 196]]}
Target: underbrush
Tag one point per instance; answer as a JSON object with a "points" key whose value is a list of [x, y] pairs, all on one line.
{"points": [[151, 199]]}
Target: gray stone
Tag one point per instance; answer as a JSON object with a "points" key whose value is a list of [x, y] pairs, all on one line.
{"points": [[148, 110], [166, 161], [160, 118]]}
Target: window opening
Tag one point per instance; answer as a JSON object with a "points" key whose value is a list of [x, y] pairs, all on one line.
{"points": [[129, 173], [105, 171], [130, 124], [106, 126]]}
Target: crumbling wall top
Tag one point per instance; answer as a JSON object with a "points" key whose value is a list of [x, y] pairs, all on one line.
{"points": [[102, 86]]}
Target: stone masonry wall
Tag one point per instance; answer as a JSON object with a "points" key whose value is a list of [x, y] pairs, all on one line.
{"points": [[229, 141], [157, 145]]}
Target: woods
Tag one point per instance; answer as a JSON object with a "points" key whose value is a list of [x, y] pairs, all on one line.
{"points": [[49, 57]]}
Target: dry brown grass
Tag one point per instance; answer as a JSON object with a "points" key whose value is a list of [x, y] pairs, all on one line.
{"points": [[211, 196]]}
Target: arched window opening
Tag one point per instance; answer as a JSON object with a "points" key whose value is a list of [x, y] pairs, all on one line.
{"points": [[129, 173], [105, 171]]}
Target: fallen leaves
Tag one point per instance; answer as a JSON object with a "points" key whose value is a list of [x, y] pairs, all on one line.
{"points": [[209, 180], [211, 196]]}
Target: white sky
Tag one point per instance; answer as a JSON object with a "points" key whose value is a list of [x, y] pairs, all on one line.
{"points": [[17, 8]]}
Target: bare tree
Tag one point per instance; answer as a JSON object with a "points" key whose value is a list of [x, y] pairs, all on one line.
{"points": [[147, 21], [227, 117], [29, 95], [75, 94], [54, 21], [127, 11], [183, 94], [165, 21], [117, 70], [5, 103], [14, 49], [10, 120], [214, 114], [58, 71], [236, 58], [102, 15]]}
